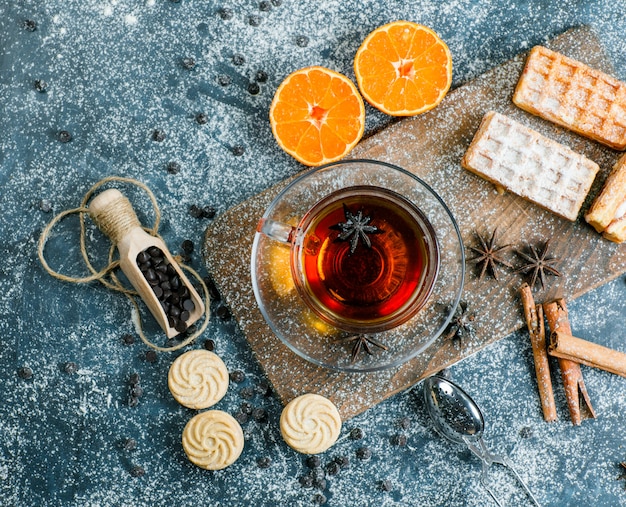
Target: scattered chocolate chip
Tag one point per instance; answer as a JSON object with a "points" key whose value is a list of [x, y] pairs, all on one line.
{"points": [[342, 461], [225, 13], [238, 59], [173, 167], [398, 439], [133, 401], [254, 20], [384, 485], [224, 80], [208, 212], [64, 136], [209, 345], [158, 136], [260, 76], [306, 481], [404, 423], [363, 453], [70, 368], [265, 6], [241, 417], [187, 246], [188, 63], [151, 356], [332, 468], [526, 432], [41, 86], [246, 407], [223, 312], [137, 471], [259, 415], [195, 211], [247, 393], [129, 444], [29, 25], [202, 118], [238, 150], [264, 462], [277, 3], [237, 376], [253, 88], [356, 434], [134, 379], [136, 391], [317, 473], [319, 499], [263, 388], [45, 205], [302, 41], [25, 373], [210, 285], [320, 484], [313, 461]]}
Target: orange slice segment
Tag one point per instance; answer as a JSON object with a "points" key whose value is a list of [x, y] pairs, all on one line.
{"points": [[403, 68], [317, 115]]}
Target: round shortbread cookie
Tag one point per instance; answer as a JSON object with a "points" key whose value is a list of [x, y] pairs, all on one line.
{"points": [[310, 424], [213, 440], [198, 379]]}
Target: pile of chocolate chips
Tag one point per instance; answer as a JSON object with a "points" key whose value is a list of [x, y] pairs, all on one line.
{"points": [[167, 286]]}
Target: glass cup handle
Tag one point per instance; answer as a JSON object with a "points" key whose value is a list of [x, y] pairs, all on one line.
{"points": [[276, 230]]}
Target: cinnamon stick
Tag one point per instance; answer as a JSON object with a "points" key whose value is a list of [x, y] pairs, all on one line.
{"points": [[573, 383], [534, 321], [582, 351]]}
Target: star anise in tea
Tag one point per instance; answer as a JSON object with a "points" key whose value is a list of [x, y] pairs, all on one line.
{"points": [[538, 264], [362, 342], [490, 255], [356, 228], [461, 325]]}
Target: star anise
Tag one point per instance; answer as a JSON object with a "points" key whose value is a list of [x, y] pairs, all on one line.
{"points": [[355, 228], [490, 255], [539, 264], [461, 325], [362, 342]]}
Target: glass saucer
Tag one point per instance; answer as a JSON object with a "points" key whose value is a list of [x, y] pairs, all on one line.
{"points": [[302, 330]]}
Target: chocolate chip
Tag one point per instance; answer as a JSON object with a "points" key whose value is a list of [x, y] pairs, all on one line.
{"points": [[263, 388], [277, 3], [137, 391], [25, 373], [241, 418], [134, 379], [306, 481], [64, 136], [225, 13], [173, 167], [223, 313], [211, 287], [181, 326], [189, 305], [184, 316], [317, 473], [526, 432], [209, 345], [158, 135], [253, 89], [137, 471], [254, 20], [238, 150], [133, 401], [238, 59], [202, 118], [29, 25], [260, 76], [342, 461], [41, 86], [398, 439], [264, 462], [320, 484], [404, 423], [265, 6], [363, 453], [332, 468], [70, 368], [188, 63], [224, 80], [237, 376], [208, 212], [195, 211], [247, 393], [150, 356], [384, 485], [128, 339], [313, 461], [129, 444], [356, 434], [302, 41], [246, 407], [187, 246], [259, 415], [45, 205]]}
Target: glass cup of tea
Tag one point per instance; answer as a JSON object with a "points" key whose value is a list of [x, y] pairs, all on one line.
{"points": [[356, 248]]}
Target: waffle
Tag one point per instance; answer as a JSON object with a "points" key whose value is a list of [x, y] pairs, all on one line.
{"points": [[608, 211], [571, 94], [530, 165]]}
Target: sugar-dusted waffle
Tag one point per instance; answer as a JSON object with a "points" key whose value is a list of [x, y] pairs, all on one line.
{"points": [[530, 165], [571, 94], [310, 424], [213, 440], [608, 212]]}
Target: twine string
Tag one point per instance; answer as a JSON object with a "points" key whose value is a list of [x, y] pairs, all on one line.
{"points": [[115, 222]]}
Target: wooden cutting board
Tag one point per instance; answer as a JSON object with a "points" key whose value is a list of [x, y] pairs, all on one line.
{"points": [[431, 146]]}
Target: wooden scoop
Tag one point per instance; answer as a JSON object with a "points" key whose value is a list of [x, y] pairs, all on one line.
{"points": [[114, 215]]}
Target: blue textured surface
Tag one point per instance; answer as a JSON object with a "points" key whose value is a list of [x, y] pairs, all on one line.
{"points": [[114, 75]]}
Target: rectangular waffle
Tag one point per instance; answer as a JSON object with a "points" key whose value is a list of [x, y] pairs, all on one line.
{"points": [[573, 95], [530, 165], [608, 211]]}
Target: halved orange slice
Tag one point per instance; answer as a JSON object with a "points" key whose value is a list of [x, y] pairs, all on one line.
{"points": [[403, 68], [317, 115]]}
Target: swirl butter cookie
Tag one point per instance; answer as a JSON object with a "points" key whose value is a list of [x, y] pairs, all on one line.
{"points": [[198, 379], [310, 424], [213, 440]]}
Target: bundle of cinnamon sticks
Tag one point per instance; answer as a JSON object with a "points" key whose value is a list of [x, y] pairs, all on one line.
{"points": [[570, 351]]}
